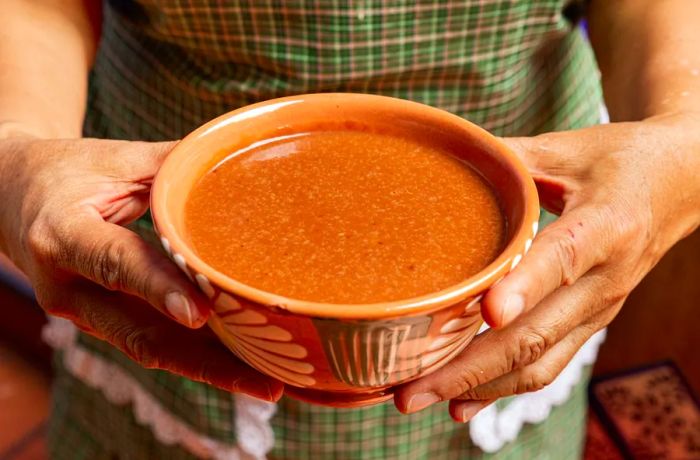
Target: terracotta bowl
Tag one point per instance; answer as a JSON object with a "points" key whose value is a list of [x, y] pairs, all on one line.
{"points": [[342, 355]]}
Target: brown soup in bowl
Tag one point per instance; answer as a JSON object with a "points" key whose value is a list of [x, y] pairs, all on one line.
{"points": [[344, 240], [345, 216]]}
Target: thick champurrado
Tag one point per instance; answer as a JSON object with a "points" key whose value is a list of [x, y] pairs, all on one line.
{"points": [[345, 217]]}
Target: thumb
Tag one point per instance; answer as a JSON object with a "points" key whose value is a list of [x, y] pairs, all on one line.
{"points": [[525, 149], [134, 161], [152, 154], [130, 168], [119, 260], [542, 156]]}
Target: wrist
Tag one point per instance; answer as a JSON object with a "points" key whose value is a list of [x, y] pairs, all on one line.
{"points": [[681, 143], [16, 171], [10, 129], [7, 157], [39, 127]]}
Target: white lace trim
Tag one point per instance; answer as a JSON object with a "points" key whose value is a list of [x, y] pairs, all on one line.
{"points": [[252, 424], [491, 428]]}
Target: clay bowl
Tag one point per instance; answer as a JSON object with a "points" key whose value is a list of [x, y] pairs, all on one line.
{"points": [[342, 355]]}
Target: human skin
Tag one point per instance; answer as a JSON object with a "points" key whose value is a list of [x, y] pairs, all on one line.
{"points": [[626, 192], [65, 200]]}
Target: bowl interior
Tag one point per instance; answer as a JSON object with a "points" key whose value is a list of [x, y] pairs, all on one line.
{"points": [[204, 148]]}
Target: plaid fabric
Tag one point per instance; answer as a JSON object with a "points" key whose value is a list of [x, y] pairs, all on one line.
{"points": [[167, 66], [93, 429]]}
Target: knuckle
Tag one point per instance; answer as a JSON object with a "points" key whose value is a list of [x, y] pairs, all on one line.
{"points": [[609, 303], [112, 265], [627, 222], [475, 393], [136, 344], [627, 228], [530, 346], [466, 380], [148, 283], [632, 231], [566, 252], [107, 265], [615, 295], [142, 284], [39, 243], [613, 291], [534, 380]]}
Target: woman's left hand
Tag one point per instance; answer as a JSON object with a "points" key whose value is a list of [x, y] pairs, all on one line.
{"points": [[626, 193]]}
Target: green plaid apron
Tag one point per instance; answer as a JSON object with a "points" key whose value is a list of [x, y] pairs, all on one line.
{"points": [[166, 66]]}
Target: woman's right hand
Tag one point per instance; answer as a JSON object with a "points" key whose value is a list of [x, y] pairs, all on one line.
{"points": [[64, 204]]}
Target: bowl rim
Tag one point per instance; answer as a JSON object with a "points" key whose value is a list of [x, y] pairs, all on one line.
{"points": [[426, 303]]}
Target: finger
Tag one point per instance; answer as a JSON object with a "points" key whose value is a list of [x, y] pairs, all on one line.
{"points": [[547, 158], [131, 161], [154, 342], [563, 252], [530, 378], [500, 351], [535, 376], [130, 168], [549, 153], [119, 260], [126, 210], [463, 411], [525, 149]]}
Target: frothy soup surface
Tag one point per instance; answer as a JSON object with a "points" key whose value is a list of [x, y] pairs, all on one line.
{"points": [[345, 217]]}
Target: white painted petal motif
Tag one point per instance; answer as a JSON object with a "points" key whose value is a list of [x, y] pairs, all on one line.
{"points": [[443, 341], [516, 261], [292, 365], [265, 346], [267, 367], [457, 324], [431, 358], [226, 302], [180, 262], [166, 244], [245, 317], [474, 301], [290, 350], [275, 333], [204, 285]]}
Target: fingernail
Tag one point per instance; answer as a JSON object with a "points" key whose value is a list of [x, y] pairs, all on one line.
{"points": [[182, 309], [420, 401], [468, 409], [512, 307]]}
